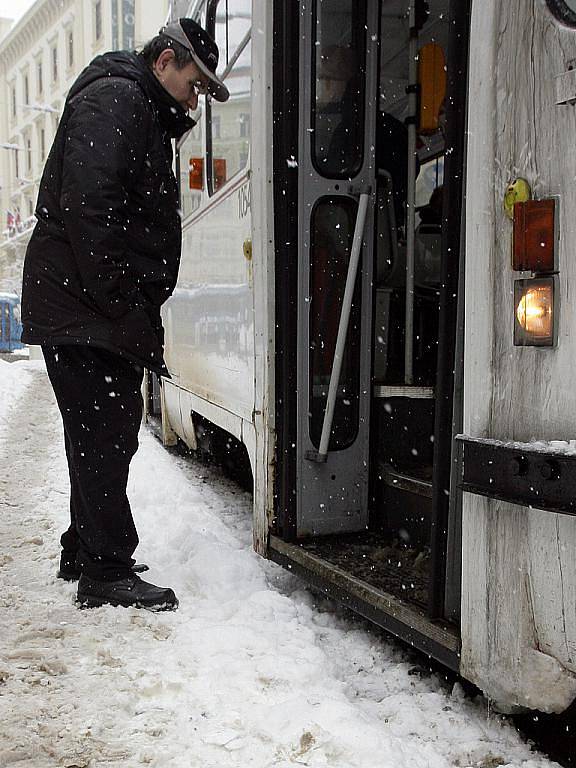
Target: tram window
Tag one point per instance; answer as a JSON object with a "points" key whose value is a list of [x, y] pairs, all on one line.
{"points": [[430, 178], [333, 221], [564, 10], [191, 153], [339, 87], [229, 22]]}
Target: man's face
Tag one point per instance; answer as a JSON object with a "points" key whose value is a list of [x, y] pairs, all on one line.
{"points": [[182, 84]]}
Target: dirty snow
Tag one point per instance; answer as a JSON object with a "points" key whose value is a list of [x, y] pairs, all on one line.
{"points": [[252, 670]]}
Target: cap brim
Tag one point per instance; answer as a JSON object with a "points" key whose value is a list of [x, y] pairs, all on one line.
{"points": [[216, 87]]}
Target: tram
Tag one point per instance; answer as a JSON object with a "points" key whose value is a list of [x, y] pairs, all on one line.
{"points": [[375, 300], [10, 322]]}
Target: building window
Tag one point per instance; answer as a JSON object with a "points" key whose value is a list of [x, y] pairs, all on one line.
{"points": [[54, 55], [28, 155], [30, 208], [13, 89], [39, 78], [16, 165], [26, 89], [98, 19], [42, 144], [216, 127], [70, 47], [244, 125]]}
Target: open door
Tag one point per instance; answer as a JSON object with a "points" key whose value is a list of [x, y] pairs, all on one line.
{"points": [[366, 403], [338, 71]]}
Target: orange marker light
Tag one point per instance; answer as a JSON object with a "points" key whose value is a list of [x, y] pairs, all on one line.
{"points": [[535, 238], [534, 323]]}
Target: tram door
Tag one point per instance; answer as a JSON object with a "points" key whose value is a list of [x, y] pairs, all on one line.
{"points": [[337, 186], [376, 132]]}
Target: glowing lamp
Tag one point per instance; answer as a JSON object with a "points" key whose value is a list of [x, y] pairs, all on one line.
{"points": [[535, 312]]}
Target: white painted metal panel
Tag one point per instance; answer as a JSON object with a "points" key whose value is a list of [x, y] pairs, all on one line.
{"points": [[261, 444], [209, 320], [519, 579]]}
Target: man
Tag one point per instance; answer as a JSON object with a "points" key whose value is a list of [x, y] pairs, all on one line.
{"points": [[103, 258]]}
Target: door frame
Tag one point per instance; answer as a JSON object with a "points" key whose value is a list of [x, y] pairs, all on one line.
{"points": [[446, 531]]}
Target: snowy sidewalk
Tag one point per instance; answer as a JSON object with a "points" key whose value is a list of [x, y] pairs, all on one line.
{"points": [[250, 671]]}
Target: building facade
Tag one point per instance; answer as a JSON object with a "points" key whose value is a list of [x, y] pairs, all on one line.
{"points": [[40, 57]]}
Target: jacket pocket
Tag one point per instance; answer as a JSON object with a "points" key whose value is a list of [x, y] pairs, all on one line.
{"points": [[133, 333]]}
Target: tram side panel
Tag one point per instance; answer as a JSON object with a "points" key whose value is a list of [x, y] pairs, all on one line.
{"points": [[219, 323], [519, 572], [209, 319]]}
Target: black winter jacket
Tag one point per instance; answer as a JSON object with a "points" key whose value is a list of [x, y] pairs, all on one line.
{"points": [[105, 251]]}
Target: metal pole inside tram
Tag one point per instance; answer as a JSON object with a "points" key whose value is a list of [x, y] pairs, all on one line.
{"points": [[411, 196]]}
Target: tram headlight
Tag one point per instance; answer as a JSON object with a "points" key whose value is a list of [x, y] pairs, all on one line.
{"points": [[535, 312]]}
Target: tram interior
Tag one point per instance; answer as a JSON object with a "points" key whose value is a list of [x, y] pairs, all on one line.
{"points": [[393, 555]]}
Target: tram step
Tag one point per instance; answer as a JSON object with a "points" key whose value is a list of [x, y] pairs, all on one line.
{"points": [[403, 505], [393, 614], [401, 481]]}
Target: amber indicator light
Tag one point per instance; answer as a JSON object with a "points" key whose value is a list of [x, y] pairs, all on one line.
{"points": [[534, 247], [534, 312]]}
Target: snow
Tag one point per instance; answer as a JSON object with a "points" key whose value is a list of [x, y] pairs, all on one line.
{"points": [[252, 670], [14, 380], [558, 447]]}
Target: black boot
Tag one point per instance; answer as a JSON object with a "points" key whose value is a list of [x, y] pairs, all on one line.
{"points": [[131, 591], [69, 571]]}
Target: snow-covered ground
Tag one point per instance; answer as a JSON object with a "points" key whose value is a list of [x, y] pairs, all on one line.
{"points": [[252, 670]]}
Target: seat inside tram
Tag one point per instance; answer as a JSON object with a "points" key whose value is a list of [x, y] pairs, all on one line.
{"points": [[394, 553]]}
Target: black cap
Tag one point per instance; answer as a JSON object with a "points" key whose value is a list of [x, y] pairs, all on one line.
{"points": [[203, 51]]}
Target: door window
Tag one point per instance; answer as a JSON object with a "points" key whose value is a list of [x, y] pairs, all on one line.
{"points": [[564, 10], [333, 222], [339, 87], [191, 162], [229, 22]]}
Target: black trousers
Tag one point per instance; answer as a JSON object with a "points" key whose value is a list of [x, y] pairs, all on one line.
{"points": [[99, 397]]}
